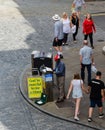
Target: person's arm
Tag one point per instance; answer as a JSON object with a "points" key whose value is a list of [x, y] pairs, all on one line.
{"points": [[80, 59], [69, 91], [88, 89], [94, 27], [84, 27], [92, 59], [83, 88], [56, 32], [103, 95]]}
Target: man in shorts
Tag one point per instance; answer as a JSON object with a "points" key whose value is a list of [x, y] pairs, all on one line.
{"points": [[58, 34], [96, 88]]}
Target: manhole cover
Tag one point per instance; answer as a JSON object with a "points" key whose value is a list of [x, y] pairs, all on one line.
{"points": [[100, 40]]}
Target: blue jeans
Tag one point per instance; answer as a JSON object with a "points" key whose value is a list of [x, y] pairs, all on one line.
{"points": [[83, 72]]}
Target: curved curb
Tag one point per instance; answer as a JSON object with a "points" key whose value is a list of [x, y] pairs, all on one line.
{"points": [[44, 111], [103, 50]]}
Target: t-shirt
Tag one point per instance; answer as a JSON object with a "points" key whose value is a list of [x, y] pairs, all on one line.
{"points": [[96, 87], [86, 53]]}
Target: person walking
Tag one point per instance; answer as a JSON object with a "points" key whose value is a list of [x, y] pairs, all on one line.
{"points": [[89, 28], [96, 88], [66, 27], [74, 20], [77, 5], [60, 77], [58, 34], [86, 60], [76, 86]]}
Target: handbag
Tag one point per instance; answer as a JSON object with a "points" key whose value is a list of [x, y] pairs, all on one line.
{"points": [[73, 29], [93, 69]]}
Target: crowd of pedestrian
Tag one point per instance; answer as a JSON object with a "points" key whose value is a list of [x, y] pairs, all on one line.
{"points": [[63, 26]]}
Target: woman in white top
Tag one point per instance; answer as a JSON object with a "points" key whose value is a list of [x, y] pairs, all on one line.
{"points": [[76, 86], [66, 27]]}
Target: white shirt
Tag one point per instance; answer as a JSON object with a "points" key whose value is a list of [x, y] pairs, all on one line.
{"points": [[66, 25]]}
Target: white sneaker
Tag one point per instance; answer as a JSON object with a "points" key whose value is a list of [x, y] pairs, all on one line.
{"points": [[101, 115], [76, 118]]}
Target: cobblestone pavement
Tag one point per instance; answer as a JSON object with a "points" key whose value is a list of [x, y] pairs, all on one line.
{"points": [[26, 25]]}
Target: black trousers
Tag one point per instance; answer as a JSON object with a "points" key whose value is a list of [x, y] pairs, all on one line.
{"points": [[65, 37], [76, 32], [83, 66], [90, 37]]}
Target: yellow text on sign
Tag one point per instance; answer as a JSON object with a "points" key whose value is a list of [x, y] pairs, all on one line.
{"points": [[35, 87]]}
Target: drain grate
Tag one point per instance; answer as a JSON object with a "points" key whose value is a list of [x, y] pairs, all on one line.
{"points": [[100, 40]]}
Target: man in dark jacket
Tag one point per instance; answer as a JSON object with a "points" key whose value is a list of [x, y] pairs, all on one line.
{"points": [[60, 77]]}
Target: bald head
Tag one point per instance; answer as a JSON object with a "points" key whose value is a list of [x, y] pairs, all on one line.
{"points": [[85, 42]]}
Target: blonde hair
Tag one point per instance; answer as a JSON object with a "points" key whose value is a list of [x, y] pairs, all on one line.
{"points": [[64, 15]]}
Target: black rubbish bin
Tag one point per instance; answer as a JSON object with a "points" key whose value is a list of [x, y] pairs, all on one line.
{"points": [[39, 59], [41, 64]]}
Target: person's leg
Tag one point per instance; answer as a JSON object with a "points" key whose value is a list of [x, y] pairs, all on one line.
{"points": [[65, 38], [74, 39], [60, 48], [78, 10], [61, 87], [57, 82], [90, 112], [56, 48], [85, 37], [89, 72], [91, 39], [83, 71], [100, 108], [55, 45], [78, 100], [75, 34], [78, 14]]}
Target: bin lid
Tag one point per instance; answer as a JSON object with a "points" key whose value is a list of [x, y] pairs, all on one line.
{"points": [[39, 54]]}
